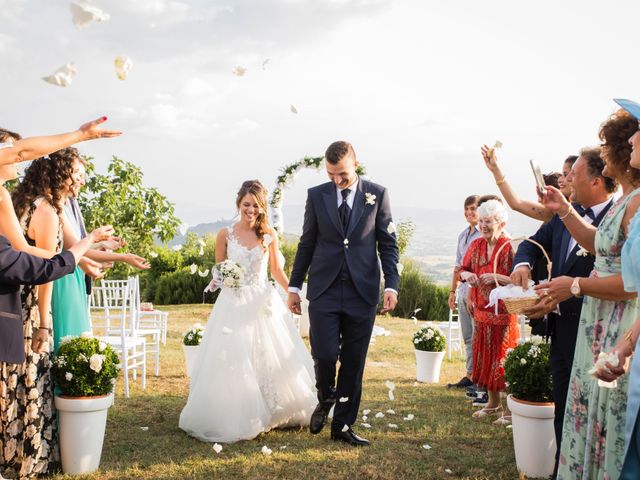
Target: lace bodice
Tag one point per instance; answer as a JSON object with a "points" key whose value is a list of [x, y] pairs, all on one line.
{"points": [[254, 260]]}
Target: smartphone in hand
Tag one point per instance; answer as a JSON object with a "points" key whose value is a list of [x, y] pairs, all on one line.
{"points": [[540, 185]]}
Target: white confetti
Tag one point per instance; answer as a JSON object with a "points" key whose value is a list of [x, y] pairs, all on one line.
{"points": [[183, 229], [193, 268], [379, 415], [227, 330], [217, 447], [343, 399], [293, 109], [239, 70], [82, 14], [426, 446], [266, 450], [365, 425], [63, 76], [123, 65], [409, 417], [345, 428], [393, 425], [204, 273]]}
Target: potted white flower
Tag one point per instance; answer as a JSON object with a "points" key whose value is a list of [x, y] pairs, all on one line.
{"points": [[528, 377], [85, 371], [190, 345], [429, 343]]}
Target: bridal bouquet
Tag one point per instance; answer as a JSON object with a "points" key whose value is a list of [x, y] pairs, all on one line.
{"points": [[227, 274], [193, 337], [85, 366]]}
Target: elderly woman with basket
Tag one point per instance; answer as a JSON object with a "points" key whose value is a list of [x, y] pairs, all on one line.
{"points": [[494, 333]]}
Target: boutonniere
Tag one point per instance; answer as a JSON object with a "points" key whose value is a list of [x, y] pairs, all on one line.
{"points": [[369, 199], [582, 252]]}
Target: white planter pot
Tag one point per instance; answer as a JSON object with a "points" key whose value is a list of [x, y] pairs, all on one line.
{"points": [[428, 366], [534, 439], [190, 354], [82, 423]]}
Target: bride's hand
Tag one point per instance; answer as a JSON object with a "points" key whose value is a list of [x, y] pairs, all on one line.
{"points": [[293, 302]]}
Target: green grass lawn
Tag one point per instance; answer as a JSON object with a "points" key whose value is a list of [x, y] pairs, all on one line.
{"points": [[462, 447]]}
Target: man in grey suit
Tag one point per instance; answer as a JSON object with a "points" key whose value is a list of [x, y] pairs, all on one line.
{"points": [[348, 233]]}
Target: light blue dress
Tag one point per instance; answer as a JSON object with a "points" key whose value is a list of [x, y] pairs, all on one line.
{"points": [[631, 278]]}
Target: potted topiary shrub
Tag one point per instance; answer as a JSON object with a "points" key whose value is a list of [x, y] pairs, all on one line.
{"points": [[85, 371], [190, 345], [528, 377], [429, 343]]}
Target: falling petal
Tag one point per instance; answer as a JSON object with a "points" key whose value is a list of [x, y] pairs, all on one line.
{"points": [[365, 425], [63, 76], [448, 470], [183, 229], [343, 399], [144, 429], [379, 415], [239, 70], [203, 274], [364, 418], [366, 412], [393, 425], [293, 109], [391, 228], [498, 144], [265, 450], [123, 65], [153, 254], [409, 417], [283, 447], [83, 14], [345, 428], [193, 268], [217, 447], [426, 446], [391, 412]]}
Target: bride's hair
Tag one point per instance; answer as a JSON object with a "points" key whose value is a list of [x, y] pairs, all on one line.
{"points": [[257, 190]]}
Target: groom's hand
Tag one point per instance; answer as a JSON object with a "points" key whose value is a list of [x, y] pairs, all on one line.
{"points": [[293, 302], [390, 300]]}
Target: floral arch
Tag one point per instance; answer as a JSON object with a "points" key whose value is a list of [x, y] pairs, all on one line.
{"points": [[285, 179]]}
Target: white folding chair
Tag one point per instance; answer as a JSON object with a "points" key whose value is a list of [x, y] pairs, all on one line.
{"points": [[148, 324], [452, 332], [116, 305]]}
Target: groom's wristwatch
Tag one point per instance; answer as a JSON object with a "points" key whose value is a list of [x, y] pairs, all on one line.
{"points": [[575, 288]]}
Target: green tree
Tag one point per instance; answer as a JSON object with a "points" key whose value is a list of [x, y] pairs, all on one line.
{"points": [[138, 213]]}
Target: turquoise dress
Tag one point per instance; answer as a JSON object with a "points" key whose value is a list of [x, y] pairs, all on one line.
{"points": [[69, 299], [631, 278]]}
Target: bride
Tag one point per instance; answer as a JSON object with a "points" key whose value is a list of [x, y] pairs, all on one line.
{"points": [[253, 372]]}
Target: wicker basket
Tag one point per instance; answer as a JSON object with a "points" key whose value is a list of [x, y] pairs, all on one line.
{"points": [[517, 305]]}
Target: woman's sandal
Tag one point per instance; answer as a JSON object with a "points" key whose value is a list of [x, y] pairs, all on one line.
{"points": [[503, 420], [486, 412]]}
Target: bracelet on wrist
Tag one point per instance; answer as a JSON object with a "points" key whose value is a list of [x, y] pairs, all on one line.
{"points": [[566, 214], [501, 181]]}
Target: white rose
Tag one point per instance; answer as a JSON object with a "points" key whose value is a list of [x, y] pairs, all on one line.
{"points": [[523, 361], [228, 282], [95, 362], [68, 376], [86, 335]]}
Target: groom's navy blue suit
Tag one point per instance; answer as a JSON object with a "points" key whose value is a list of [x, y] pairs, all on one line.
{"points": [[344, 286], [563, 328]]}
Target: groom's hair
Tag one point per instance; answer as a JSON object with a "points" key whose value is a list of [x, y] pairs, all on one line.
{"points": [[337, 151]]}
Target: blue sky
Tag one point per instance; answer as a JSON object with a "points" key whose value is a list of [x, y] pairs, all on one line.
{"points": [[416, 86]]}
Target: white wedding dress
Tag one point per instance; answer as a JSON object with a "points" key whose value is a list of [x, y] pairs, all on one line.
{"points": [[253, 372]]}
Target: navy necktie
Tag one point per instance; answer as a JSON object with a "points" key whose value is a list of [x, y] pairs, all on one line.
{"points": [[344, 210]]}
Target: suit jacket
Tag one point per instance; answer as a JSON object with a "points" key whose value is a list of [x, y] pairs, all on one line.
{"points": [[554, 237], [19, 268], [324, 245]]}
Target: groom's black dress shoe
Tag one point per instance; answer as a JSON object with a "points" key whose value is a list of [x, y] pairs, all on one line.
{"points": [[319, 416], [349, 437]]}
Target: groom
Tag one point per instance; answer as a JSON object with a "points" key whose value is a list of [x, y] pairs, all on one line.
{"points": [[347, 223]]}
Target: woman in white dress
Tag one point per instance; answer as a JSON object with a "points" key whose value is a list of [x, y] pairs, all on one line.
{"points": [[253, 372]]}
